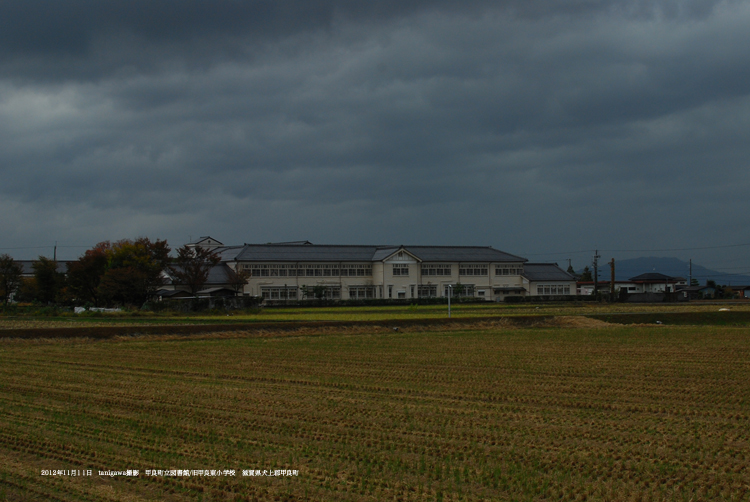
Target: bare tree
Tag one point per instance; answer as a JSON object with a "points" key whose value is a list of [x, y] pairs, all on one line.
{"points": [[238, 279]]}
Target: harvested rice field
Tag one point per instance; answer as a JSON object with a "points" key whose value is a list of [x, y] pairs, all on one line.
{"points": [[574, 410]]}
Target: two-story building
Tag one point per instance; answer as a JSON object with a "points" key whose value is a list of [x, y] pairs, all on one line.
{"points": [[297, 270]]}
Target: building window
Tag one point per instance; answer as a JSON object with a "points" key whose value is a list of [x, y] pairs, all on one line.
{"points": [[401, 269], [327, 292], [361, 292], [333, 293], [459, 290], [436, 269], [356, 270], [427, 291], [513, 269], [282, 293], [465, 269], [553, 289]]}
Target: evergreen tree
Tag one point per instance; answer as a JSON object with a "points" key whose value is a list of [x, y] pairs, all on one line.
{"points": [[586, 275]]}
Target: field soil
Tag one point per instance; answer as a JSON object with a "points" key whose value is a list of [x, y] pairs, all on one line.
{"points": [[567, 408]]}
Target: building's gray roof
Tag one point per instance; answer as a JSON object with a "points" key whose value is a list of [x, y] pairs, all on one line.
{"points": [[220, 274], [383, 252], [228, 253], [334, 253], [283, 252], [545, 272], [483, 254]]}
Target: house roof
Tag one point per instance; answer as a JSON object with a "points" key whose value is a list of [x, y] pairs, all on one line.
{"points": [[169, 293], [332, 253], [206, 238], [213, 291], [655, 277], [545, 272]]}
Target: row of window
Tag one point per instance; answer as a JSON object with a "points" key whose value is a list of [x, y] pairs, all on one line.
{"points": [[365, 292], [473, 270], [552, 289], [436, 269], [350, 271], [508, 270], [399, 269]]}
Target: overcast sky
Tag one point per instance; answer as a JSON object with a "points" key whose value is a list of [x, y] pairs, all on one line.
{"points": [[545, 129]]}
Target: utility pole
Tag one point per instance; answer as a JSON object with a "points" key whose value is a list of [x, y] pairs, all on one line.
{"points": [[450, 293], [690, 282], [596, 273], [54, 253], [612, 281]]}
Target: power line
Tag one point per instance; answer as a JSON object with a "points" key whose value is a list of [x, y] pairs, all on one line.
{"points": [[726, 246], [46, 247]]}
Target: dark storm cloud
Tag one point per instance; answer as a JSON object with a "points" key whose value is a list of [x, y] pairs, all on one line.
{"points": [[90, 38], [527, 125]]}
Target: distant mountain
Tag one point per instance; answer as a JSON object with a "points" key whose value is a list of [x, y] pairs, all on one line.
{"points": [[625, 269]]}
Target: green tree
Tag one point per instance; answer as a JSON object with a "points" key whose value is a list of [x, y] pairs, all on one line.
{"points": [[694, 282], [49, 281], [10, 277], [571, 270], [192, 265], [586, 275], [27, 290], [459, 290], [317, 292], [85, 274], [134, 271]]}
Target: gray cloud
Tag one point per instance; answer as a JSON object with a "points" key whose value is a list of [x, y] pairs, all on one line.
{"points": [[532, 126]]}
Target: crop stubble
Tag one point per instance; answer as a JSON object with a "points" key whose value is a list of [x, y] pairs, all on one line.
{"points": [[617, 413]]}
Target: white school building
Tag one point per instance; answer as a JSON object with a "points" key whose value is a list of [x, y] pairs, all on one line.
{"points": [[293, 270]]}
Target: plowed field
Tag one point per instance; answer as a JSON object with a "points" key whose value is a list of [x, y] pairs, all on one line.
{"points": [[575, 412]]}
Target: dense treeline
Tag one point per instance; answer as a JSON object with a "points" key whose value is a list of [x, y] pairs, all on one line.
{"points": [[124, 273]]}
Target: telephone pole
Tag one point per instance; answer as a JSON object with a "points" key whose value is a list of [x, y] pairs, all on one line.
{"points": [[612, 281], [596, 273]]}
